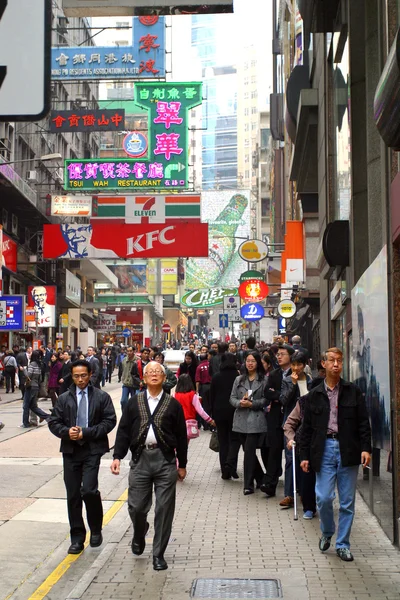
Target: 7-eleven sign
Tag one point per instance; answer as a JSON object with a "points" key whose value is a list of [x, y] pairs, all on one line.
{"points": [[145, 209]]}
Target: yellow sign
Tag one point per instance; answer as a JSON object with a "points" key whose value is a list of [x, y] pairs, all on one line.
{"points": [[167, 270], [287, 309], [64, 320]]}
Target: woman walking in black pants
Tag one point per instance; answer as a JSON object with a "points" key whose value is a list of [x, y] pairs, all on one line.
{"points": [[222, 412]]}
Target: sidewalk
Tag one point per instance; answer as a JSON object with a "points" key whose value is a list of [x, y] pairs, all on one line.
{"points": [[219, 533]]}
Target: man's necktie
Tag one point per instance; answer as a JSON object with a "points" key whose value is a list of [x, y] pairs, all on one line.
{"points": [[82, 410]]}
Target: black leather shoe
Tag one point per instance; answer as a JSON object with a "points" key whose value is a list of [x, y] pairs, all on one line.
{"points": [[96, 539], [159, 563], [248, 491], [76, 548], [235, 475], [139, 544]]}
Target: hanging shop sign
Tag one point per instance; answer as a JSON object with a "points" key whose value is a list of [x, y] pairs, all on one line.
{"points": [[253, 289], [250, 275], [253, 250], [14, 313], [252, 312], [103, 239], [287, 309], [72, 288], [9, 254], [143, 59], [166, 164], [43, 299], [207, 297], [148, 208], [105, 322], [135, 144], [69, 206], [87, 120]]}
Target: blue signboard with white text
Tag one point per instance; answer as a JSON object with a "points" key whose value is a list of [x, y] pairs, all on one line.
{"points": [[15, 313], [252, 312], [144, 59]]}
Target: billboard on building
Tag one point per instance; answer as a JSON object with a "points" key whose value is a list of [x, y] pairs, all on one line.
{"points": [[14, 313], [144, 59], [162, 276], [228, 216], [43, 299], [150, 208], [85, 120], [131, 278], [370, 336], [9, 254], [106, 239]]}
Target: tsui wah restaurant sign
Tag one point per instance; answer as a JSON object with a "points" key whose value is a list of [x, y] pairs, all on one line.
{"points": [[87, 120], [165, 164], [108, 239]]}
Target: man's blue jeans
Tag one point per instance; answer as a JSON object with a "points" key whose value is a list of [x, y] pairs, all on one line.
{"points": [[126, 392], [333, 473]]}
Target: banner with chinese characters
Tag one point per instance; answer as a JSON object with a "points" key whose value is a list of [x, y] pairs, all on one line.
{"points": [[144, 59], [108, 239], [165, 165], [87, 120], [69, 206]]}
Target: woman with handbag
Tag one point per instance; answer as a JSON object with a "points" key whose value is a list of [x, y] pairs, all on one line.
{"points": [[191, 404], [33, 376], [56, 364], [249, 421], [10, 369]]}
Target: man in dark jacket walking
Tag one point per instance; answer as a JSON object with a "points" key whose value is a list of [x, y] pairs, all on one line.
{"points": [[82, 418], [153, 427], [335, 439]]}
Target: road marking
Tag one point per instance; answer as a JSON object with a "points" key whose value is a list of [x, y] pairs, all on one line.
{"points": [[41, 592]]}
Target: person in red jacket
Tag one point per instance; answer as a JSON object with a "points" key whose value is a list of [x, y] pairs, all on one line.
{"points": [[189, 400]]}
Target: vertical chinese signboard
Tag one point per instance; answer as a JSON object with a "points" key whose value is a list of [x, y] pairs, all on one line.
{"points": [[165, 165]]}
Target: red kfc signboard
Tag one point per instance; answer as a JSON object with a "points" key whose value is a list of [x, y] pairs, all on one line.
{"points": [[110, 239], [9, 253]]}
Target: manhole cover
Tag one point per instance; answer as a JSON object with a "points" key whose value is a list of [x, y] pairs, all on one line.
{"points": [[236, 588]]}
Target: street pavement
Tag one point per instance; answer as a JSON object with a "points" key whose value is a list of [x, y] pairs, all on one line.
{"points": [[218, 534]]}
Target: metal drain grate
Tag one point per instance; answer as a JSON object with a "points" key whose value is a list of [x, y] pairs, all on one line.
{"points": [[236, 588]]}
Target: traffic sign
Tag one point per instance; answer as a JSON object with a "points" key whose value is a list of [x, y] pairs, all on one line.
{"points": [[126, 332], [252, 312], [231, 306], [287, 309], [25, 52], [281, 325], [166, 328], [223, 320]]}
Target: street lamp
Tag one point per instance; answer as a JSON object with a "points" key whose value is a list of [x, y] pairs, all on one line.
{"points": [[44, 158]]}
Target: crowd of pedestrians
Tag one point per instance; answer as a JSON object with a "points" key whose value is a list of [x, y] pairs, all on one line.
{"points": [[259, 398]]}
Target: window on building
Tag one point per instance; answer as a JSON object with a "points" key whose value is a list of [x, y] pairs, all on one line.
{"points": [[253, 126], [246, 127], [246, 95], [254, 94], [247, 174], [246, 81], [246, 112], [265, 135], [254, 110], [265, 207]]}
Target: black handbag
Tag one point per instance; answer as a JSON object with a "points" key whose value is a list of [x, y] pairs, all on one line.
{"points": [[214, 443]]}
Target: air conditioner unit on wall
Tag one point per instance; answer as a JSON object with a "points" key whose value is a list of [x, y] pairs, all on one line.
{"points": [[31, 175], [14, 225]]}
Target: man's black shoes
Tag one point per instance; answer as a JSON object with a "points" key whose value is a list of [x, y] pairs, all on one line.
{"points": [[139, 544], [96, 539], [76, 548], [159, 563]]}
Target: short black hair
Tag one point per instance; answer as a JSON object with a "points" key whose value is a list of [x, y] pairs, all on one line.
{"points": [[158, 354], [298, 357], [251, 343], [222, 347], [81, 363], [145, 349], [36, 356]]}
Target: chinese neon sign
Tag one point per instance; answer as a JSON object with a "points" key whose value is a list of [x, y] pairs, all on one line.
{"points": [[87, 120], [165, 165]]}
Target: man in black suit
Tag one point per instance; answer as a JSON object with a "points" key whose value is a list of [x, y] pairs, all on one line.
{"points": [[82, 418], [65, 377], [274, 417], [95, 377]]}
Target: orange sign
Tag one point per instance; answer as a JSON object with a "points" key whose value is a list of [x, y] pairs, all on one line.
{"points": [[253, 290]]}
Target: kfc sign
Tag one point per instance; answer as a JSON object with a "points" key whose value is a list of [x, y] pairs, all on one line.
{"points": [[120, 240], [9, 254], [43, 299]]}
